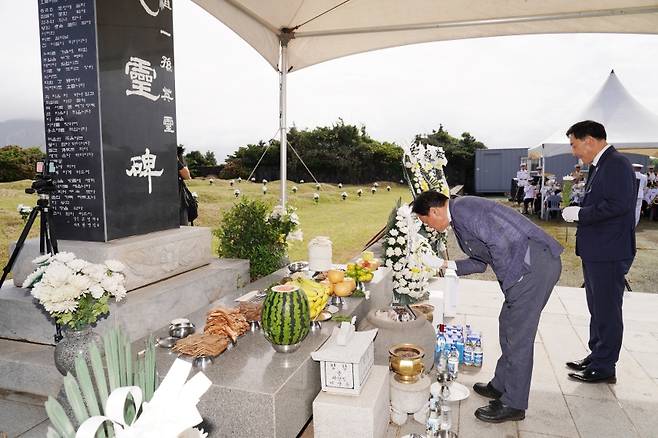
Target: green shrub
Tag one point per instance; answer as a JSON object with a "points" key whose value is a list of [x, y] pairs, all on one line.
{"points": [[246, 233]]}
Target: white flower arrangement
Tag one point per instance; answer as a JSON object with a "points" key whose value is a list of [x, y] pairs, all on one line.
{"points": [[286, 222], [404, 251], [424, 168], [73, 291]]}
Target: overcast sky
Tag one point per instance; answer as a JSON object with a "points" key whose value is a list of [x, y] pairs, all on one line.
{"points": [[506, 91]]}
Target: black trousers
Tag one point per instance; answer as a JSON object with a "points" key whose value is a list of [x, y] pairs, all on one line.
{"points": [[604, 288]]}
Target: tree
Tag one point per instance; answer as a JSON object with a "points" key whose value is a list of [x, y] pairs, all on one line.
{"points": [[210, 159], [18, 163]]}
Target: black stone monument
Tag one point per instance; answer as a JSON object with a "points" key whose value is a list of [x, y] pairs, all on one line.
{"points": [[110, 116]]}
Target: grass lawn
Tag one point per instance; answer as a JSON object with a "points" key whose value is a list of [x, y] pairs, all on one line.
{"points": [[349, 224]]}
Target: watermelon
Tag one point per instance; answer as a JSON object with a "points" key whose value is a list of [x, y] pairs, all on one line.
{"points": [[285, 317]]}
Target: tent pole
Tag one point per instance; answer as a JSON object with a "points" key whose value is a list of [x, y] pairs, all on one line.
{"points": [[283, 160], [541, 191]]}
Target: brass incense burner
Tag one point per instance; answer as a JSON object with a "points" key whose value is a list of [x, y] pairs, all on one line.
{"points": [[406, 361]]}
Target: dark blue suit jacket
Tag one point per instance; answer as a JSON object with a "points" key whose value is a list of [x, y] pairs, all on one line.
{"points": [[606, 221], [492, 234]]}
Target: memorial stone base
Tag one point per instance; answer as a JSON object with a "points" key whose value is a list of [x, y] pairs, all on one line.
{"points": [[363, 416]]}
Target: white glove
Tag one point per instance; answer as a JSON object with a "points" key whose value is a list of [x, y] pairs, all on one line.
{"points": [[432, 261], [570, 214]]}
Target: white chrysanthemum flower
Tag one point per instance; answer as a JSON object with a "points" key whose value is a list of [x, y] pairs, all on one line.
{"points": [[60, 307], [115, 265], [96, 290], [397, 251], [403, 282], [81, 282], [110, 284], [57, 274], [294, 218], [397, 267], [390, 252], [393, 232], [401, 240], [34, 276], [42, 259], [77, 265], [64, 257], [296, 235], [389, 263], [42, 291], [119, 293], [391, 241]]}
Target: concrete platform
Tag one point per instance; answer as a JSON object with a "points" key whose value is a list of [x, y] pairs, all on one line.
{"points": [[559, 407], [149, 257]]}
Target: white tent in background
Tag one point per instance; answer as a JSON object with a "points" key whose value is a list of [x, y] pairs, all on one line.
{"points": [[630, 126], [293, 34]]}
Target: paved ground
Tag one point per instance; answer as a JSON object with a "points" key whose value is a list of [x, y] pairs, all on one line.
{"points": [[558, 407]]}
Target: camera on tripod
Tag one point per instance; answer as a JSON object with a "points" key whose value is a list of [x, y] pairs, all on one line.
{"points": [[43, 181]]}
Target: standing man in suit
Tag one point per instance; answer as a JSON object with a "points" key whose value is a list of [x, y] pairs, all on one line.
{"points": [[605, 241], [526, 262]]}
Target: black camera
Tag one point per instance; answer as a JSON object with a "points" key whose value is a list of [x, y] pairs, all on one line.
{"points": [[43, 181]]}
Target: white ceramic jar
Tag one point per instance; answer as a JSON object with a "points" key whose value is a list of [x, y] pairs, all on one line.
{"points": [[319, 254]]}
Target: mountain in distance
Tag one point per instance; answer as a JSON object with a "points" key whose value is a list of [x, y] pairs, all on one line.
{"points": [[23, 132]]}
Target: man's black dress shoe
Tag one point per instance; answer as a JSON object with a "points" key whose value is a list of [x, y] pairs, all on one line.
{"points": [[579, 365], [497, 412], [487, 390], [593, 376]]}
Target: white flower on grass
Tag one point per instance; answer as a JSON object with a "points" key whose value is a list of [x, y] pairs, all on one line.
{"points": [[42, 259], [115, 265], [64, 257], [96, 290]]}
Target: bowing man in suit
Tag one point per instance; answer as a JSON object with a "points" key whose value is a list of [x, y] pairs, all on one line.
{"points": [[605, 242], [526, 262]]}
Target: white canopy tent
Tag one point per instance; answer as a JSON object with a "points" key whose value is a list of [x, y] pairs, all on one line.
{"points": [[293, 34], [630, 126]]}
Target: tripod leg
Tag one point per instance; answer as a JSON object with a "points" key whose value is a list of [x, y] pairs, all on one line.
{"points": [[51, 231], [43, 240], [628, 286], [19, 244]]}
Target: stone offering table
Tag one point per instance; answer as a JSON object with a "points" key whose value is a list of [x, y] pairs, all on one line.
{"points": [[257, 392]]}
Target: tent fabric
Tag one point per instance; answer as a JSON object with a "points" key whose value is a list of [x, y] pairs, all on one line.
{"points": [[630, 126], [327, 29]]}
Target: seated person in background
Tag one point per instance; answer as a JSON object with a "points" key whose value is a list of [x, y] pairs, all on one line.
{"points": [[577, 175], [529, 194]]}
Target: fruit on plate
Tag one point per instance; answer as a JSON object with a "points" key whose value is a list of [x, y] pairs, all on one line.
{"points": [[359, 273], [285, 317], [369, 261], [335, 275], [344, 288], [316, 293]]}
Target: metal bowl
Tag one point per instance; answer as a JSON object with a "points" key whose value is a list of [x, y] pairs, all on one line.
{"points": [[181, 331], [286, 348], [297, 267], [406, 361], [202, 362], [167, 342]]}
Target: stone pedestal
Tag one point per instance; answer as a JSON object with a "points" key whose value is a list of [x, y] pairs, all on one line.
{"points": [[363, 416], [148, 258]]}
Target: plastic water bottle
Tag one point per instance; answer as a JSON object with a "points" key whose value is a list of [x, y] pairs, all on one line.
{"points": [[468, 352], [446, 420], [478, 355], [438, 348], [453, 362]]}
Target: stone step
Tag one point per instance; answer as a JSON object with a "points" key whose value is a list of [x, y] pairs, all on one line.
{"points": [[142, 311]]}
